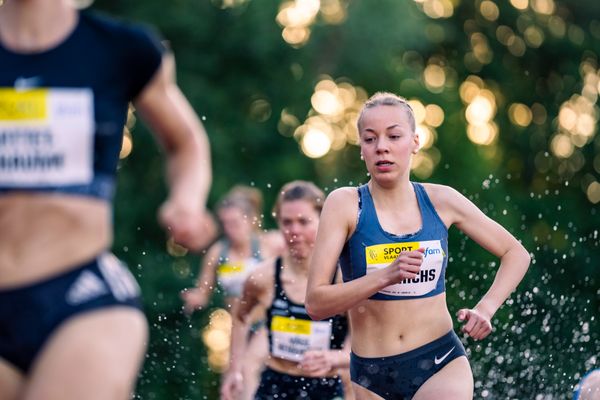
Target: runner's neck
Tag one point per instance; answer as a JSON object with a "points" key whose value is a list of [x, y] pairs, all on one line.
{"points": [[35, 25]]}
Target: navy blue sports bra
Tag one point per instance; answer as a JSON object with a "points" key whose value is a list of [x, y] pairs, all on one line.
{"points": [[62, 111], [371, 248]]}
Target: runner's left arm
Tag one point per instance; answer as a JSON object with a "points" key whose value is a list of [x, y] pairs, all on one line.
{"points": [[514, 261]]}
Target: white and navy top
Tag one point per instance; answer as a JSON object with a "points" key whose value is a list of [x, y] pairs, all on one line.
{"points": [[371, 248], [291, 330], [232, 275], [62, 110]]}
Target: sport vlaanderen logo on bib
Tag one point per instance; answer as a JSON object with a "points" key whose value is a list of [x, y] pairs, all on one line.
{"points": [[46, 137], [381, 255], [292, 337]]}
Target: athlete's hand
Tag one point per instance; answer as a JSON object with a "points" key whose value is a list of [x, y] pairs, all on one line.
{"points": [[477, 324], [406, 266], [193, 299], [232, 385], [191, 227], [316, 363]]}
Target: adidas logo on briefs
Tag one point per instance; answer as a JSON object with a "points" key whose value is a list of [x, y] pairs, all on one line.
{"points": [[85, 288], [122, 284]]}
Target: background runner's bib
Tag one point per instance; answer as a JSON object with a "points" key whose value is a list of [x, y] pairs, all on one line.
{"points": [[231, 276], [381, 255], [291, 330], [46, 137], [292, 337]]}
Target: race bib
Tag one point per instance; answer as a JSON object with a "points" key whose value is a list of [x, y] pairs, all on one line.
{"points": [[231, 276], [293, 337], [46, 137], [381, 255], [231, 269]]}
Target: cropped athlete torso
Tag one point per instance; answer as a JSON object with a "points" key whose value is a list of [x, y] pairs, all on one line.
{"points": [[62, 112], [413, 312], [292, 332]]}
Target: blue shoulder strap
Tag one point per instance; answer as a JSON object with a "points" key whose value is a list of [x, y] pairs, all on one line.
{"points": [[255, 247], [223, 255], [366, 207]]}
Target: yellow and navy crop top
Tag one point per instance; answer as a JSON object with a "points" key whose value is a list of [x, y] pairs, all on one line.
{"points": [[62, 110], [371, 248]]}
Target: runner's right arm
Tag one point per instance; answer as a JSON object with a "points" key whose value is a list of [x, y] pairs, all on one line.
{"points": [[197, 297], [338, 219]]}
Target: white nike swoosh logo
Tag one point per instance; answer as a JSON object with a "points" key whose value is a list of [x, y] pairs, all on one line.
{"points": [[438, 361]]}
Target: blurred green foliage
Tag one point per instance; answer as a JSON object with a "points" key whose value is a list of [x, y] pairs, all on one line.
{"points": [[228, 57]]}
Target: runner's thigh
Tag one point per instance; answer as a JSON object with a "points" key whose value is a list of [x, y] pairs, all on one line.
{"points": [[94, 355], [361, 393], [11, 381], [453, 382]]}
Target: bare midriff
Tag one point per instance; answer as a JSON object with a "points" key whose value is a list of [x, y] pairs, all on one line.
{"points": [[386, 328], [43, 235]]}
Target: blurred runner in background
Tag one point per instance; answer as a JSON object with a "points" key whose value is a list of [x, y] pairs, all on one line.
{"points": [[229, 262]]}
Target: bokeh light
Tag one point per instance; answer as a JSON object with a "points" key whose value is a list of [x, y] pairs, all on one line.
{"points": [[427, 118], [577, 123], [217, 337], [489, 10], [333, 12], [520, 115], [520, 4], [593, 192], [545, 7], [229, 3], [434, 115], [434, 77], [481, 49], [298, 16], [482, 134], [331, 123], [436, 8], [534, 36], [561, 146], [315, 143], [480, 111]]}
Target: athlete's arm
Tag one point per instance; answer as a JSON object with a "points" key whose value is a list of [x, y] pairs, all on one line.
{"points": [[196, 298], [316, 363], [319, 363], [514, 258], [173, 121], [257, 289], [255, 292], [273, 243], [324, 299]]}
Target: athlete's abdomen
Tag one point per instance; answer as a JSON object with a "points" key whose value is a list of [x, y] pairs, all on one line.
{"points": [[42, 235], [384, 328]]}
